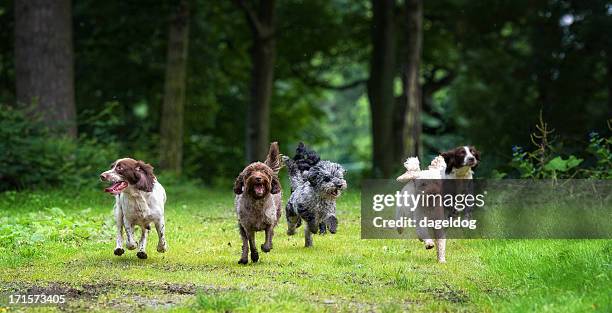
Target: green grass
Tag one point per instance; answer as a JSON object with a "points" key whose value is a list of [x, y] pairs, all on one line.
{"points": [[54, 241]]}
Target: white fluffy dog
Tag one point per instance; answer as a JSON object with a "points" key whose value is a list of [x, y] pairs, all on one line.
{"points": [[427, 181]]}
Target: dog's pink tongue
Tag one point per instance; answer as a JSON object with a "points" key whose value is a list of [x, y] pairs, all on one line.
{"points": [[116, 187], [259, 189]]}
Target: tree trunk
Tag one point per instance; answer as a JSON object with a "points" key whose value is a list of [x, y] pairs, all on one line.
{"points": [[380, 86], [171, 129], [609, 74], [410, 77], [263, 54], [44, 61]]}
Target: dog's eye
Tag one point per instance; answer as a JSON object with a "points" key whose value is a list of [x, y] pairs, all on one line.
{"points": [[326, 179]]}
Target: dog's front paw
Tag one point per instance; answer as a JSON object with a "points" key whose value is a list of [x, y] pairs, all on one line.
{"points": [[332, 224], [141, 255], [322, 229], [131, 245], [443, 260], [429, 244], [254, 257], [162, 247], [243, 261], [119, 251], [266, 248], [313, 227]]}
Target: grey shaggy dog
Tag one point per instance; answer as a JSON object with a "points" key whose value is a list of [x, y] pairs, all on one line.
{"points": [[315, 186]]}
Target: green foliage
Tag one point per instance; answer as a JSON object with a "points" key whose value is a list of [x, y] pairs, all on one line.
{"points": [[544, 162], [518, 59], [558, 164], [29, 234], [599, 147], [34, 156], [504, 67], [50, 224]]}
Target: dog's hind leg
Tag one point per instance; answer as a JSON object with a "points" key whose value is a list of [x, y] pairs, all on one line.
{"points": [[119, 220], [310, 218], [254, 253], [441, 249], [142, 244], [244, 259], [308, 236], [440, 235], [160, 226], [293, 220], [267, 246], [422, 232]]}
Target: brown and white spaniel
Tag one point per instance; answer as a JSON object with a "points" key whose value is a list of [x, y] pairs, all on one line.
{"points": [[139, 201], [456, 165], [460, 162]]}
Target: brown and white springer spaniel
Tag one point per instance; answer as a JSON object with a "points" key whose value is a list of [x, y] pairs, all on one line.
{"points": [[139, 201], [460, 162], [457, 165]]}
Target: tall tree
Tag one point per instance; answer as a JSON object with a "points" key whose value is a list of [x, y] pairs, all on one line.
{"points": [[171, 131], [411, 55], [263, 55], [44, 62], [380, 86]]}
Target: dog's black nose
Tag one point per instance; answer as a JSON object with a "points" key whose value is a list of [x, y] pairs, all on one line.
{"points": [[258, 179], [102, 177], [338, 185], [471, 159]]}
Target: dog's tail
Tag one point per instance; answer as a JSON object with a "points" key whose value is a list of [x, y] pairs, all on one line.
{"points": [[305, 158], [273, 160], [295, 175]]}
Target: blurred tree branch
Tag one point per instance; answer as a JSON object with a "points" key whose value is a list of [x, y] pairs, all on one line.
{"points": [[263, 31], [432, 84], [313, 82]]}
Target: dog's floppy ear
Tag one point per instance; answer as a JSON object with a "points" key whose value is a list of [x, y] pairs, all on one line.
{"points": [[140, 175], [449, 159], [146, 179], [476, 154], [239, 184], [310, 177], [276, 186]]}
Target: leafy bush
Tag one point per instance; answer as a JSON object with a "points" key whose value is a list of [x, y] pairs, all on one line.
{"points": [[51, 224], [546, 162], [33, 156]]}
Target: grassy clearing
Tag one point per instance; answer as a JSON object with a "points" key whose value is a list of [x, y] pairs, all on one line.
{"points": [[54, 241]]}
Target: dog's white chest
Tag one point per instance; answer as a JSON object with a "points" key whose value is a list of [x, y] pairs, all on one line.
{"points": [[463, 173], [136, 208]]}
